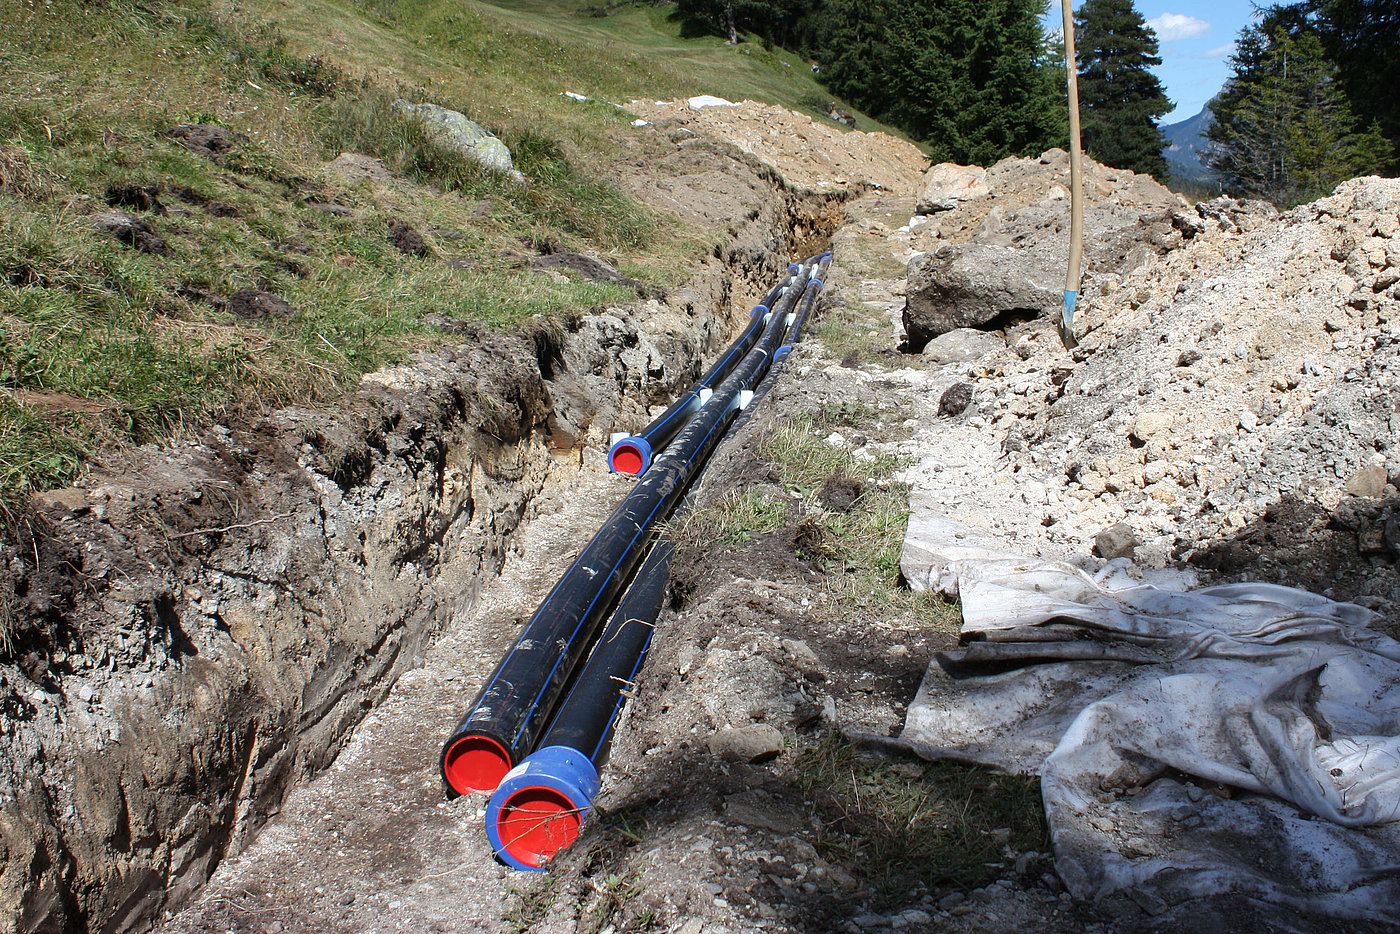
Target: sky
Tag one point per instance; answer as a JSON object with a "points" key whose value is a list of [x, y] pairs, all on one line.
{"points": [[1194, 39]]}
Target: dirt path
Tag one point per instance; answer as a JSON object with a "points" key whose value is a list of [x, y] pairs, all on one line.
{"points": [[372, 845]]}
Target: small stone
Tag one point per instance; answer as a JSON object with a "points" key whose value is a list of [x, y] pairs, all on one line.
{"points": [[961, 345], [757, 808], [951, 900], [755, 743], [910, 916], [955, 400], [1118, 541], [86, 693], [1151, 423], [69, 500], [1248, 420], [1368, 482], [132, 231], [869, 919], [1148, 901], [352, 166], [801, 653], [1370, 541]]}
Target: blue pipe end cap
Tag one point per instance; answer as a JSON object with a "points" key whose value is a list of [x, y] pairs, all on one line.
{"points": [[793, 268], [540, 807], [817, 283], [759, 310], [781, 354], [630, 455]]}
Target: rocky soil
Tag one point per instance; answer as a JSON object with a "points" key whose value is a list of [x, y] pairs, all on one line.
{"points": [[807, 153], [1233, 401], [1232, 406]]}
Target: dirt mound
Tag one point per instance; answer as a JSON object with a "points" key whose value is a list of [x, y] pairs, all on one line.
{"points": [[995, 243], [806, 153], [1234, 402]]}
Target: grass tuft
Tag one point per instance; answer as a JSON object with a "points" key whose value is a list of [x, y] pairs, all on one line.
{"points": [[905, 825], [859, 548], [735, 519]]}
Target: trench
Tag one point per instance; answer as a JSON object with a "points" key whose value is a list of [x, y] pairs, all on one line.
{"points": [[222, 616]]}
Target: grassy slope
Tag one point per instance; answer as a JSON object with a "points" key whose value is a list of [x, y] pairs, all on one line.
{"points": [[101, 344]]}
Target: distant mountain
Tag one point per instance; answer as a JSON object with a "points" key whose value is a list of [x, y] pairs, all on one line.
{"points": [[1186, 142]]}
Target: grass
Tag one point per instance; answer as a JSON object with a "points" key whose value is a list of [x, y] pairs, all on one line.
{"points": [[530, 903], [735, 519], [859, 548], [88, 91], [854, 333], [903, 826]]}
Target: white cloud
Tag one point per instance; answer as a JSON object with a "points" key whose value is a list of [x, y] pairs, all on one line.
{"points": [[1172, 26], [1224, 50]]}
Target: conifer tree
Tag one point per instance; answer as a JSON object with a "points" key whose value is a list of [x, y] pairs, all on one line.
{"points": [[1120, 99], [967, 77], [1362, 37], [1284, 130]]}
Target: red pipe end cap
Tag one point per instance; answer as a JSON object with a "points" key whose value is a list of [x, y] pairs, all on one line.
{"points": [[627, 459], [475, 763], [536, 823]]}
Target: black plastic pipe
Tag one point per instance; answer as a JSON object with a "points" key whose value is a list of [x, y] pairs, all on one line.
{"points": [[634, 453], [814, 286], [541, 805], [507, 717]]}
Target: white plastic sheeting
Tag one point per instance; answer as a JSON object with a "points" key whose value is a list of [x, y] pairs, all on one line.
{"points": [[1239, 740], [709, 100]]}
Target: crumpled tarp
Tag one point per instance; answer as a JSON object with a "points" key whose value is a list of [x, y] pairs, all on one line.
{"points": [[1239, 740]]}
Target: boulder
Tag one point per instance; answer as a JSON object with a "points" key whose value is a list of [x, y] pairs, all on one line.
{"points": [[1003, 237], [962, 345], [464, 136], [948, 184], [970, 285]]}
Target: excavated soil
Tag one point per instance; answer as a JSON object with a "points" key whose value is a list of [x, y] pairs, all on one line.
{"points": [[807, 153], [1232, 406]]}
